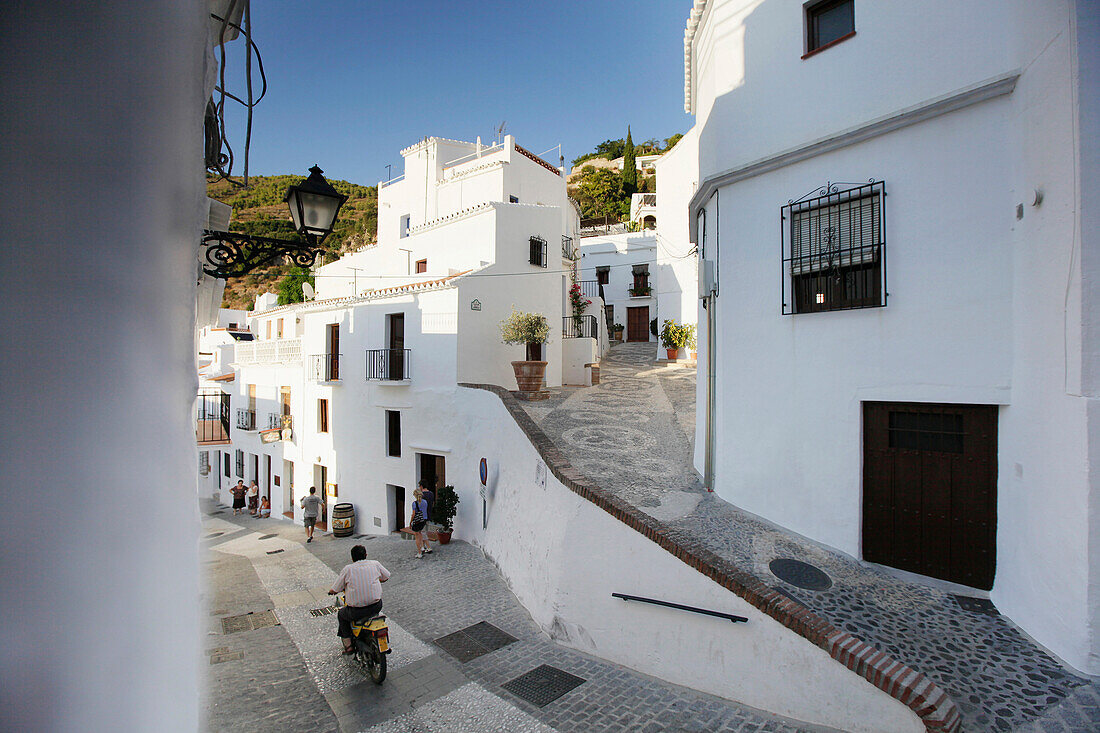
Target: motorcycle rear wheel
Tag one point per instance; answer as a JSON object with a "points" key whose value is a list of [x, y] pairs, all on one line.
{"points": [[375, 663]]}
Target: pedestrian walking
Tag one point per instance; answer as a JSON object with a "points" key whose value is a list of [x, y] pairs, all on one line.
{"points": [[238, 492], [311, 509], [254, 499], [418, 521], [429, 496]]}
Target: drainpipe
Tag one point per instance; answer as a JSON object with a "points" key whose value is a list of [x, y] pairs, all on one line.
{"points": [[708, 446]]}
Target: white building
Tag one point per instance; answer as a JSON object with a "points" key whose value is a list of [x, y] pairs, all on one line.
{"points": [[617, 268], [903, 309], [353, 392]]}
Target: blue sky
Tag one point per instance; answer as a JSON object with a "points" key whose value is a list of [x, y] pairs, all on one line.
{"points": [[351, 83]]}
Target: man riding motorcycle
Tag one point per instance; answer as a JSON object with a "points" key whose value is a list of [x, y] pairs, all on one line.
{"points": [[361, 582]]}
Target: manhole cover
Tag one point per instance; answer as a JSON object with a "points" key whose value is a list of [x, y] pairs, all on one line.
{"points": [[214, 514], [800, 574], [268, 536], [274, 552], [976, 605], [474, 641], [248, 622], [542, 685], [327, 610]]}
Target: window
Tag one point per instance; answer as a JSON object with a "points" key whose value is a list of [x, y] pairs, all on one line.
{"points": [[603, 275], [228, 471], [835, 250], [393, 433], [538, 251], [404, 227], [827, 23], [240, 463], [641, 280], [269, 329], [204, 462], [279, 328], [322, 416], [421, 266], [513, 199]]}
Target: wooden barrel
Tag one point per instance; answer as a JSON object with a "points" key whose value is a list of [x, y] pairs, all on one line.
{"points": [[343, 520]]}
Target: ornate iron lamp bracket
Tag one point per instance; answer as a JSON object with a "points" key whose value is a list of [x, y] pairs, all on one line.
{"points": [[229, 254]]}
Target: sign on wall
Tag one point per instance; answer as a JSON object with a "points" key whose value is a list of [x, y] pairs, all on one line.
{"points": [[475, 305]]}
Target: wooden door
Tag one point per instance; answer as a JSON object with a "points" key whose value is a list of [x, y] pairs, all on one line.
{"points": [[930, 489], [399, 508], [267, 476], [333, 352], [637, 324], [396, 355]]}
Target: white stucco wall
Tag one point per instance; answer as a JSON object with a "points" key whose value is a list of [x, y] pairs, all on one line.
{"points": [[983, 307], [100, 369], [565, 571], [676, 267], [620, 252]]}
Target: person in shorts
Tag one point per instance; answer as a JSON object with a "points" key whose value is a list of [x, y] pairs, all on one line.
{"points": [[311, 509]]}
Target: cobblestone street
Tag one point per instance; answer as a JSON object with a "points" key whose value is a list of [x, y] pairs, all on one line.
{"points": [[283, 671], [634, 431]]}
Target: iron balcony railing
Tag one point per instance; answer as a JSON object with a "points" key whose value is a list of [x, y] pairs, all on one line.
{"points": [[277, 420], [212, 418], [591, 288], [578, 327], [389, 365], [324, 367], [246, 419]]}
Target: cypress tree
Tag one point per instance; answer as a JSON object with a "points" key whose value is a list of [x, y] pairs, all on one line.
{"points": [[630, 168]]}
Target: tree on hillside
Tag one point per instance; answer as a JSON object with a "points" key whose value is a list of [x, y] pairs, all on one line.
{"points": [[600, 193], [630, 169], [611, 149], [670, 142], [290, 288]]}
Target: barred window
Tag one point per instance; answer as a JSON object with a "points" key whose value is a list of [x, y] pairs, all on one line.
{"points": [[835, 250], [538, 251], [204, 462], [240, 463]]}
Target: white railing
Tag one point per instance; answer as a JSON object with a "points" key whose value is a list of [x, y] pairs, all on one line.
{"points": [[280, 351], [488, 150], [383, 184]]}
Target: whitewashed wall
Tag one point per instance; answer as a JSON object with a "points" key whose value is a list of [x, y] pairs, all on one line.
{"points": [[676, 270], [620, 252], [983, 308], [574, 555]]}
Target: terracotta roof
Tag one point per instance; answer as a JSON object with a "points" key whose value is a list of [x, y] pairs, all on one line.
{"points": [[224, 378]]}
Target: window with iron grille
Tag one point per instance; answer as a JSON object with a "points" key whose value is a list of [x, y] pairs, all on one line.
{"points": [[834, 250], [829, 22], [603, 274], [240, 463], [228, 472], [538, 251], [204, 462], [393, 433], [322, 416]]}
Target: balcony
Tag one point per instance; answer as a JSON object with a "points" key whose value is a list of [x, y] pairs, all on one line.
{"points": [[389, 365], [324, 367], [578, 327], [591, 288], [277, 420], [246, 419], [602, 225], [212, 419], [568, 250], [640, 291], [279, 351]]}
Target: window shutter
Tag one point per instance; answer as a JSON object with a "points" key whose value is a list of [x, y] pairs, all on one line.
{"points": [[836, 235]]}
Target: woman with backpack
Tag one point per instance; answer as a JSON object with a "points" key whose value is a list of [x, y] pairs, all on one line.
{"points": [[418, 521]]}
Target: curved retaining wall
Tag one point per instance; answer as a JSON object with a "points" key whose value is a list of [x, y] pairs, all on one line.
{"points": [[571, 558]]}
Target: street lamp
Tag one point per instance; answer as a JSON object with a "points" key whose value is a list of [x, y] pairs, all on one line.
{"points": [[313, 205]]}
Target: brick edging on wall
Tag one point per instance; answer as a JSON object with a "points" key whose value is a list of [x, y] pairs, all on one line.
{"points": [[912, 688]]}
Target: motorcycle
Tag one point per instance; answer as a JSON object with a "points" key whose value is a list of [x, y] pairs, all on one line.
{"points": [[371, 638]]}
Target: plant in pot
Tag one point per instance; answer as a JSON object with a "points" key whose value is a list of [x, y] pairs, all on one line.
{"points": [[691, 344], [640, 291], [673, 337], [531, 330], [443, 512], [617, 331], [579, 304]]}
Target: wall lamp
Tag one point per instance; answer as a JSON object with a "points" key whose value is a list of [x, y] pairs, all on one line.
{"points": [[313, 205]]}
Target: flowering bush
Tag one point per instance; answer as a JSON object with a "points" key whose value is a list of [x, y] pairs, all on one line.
{"points": [[578, 302], [525, 328], [676, 336]]}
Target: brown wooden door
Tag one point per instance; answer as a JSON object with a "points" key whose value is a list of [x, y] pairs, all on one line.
{"points": [[333, 352], [637, 323], [396, 356], [930, 489]]}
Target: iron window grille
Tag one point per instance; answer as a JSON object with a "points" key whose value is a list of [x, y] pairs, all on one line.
{"points": [[538, 251], [212, 417], [246, 419], [227, 468], [389, 365], [567, 251], [834, 249], [828, 22], [641, 280], [277, 420], [204, 462], [240, 463]]}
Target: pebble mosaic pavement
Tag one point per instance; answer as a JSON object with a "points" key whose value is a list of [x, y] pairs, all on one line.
{"points": [[633, 435], [292, 676]]}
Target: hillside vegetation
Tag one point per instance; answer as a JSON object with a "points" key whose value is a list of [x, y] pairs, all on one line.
{"points": [[259, 210], [603, 191]]}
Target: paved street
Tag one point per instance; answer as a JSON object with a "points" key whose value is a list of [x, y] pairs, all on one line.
{"points": [[633, 435], [283, 670]]}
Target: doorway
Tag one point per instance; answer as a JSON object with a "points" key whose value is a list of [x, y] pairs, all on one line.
{"points": [[254, 466], [395, 328], [288, 489], [431, 469], [930, 489], [320, 480], [397, 501], [332, 370], [637, 323], [267, 477]]}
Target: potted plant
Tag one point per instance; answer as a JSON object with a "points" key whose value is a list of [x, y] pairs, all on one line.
{"points": [[617, 331], [691, 340], [673, 338], [443, 512], [579, 304], [531, 330], [640, 291]]}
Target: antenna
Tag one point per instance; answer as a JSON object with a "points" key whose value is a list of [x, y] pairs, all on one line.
{"points": [[500, 129], [307, 290]]}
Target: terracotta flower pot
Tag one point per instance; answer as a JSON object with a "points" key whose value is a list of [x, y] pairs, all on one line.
{"points": [[672, 354], [529, 377], [694, 355], [445, 536]]}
